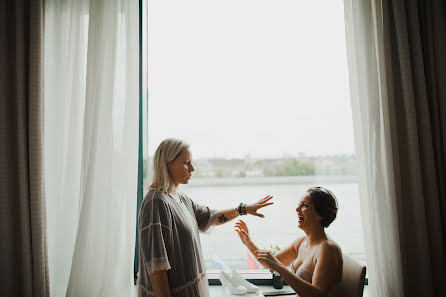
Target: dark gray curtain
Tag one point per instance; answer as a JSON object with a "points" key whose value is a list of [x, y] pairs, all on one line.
{"points": [[23, 249], [415, 67]]}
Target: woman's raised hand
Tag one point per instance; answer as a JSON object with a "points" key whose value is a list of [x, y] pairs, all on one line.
{"points": [[242, 229], [266, 257], [252, 208]]}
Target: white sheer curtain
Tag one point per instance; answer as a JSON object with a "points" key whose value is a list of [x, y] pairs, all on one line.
{"points": [[373, 146], [91, 145]]}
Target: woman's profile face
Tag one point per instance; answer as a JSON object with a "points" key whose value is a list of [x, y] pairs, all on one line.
{"points": [[307, 213], [180, 169]]}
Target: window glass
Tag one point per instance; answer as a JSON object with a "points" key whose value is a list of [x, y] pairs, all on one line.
{"points": [[260, 91]]}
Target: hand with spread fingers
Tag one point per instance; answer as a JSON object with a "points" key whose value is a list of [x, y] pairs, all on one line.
{"points": [[252, 208], [242, 229]]}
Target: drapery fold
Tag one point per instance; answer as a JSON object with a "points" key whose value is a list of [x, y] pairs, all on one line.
{"points": [[23, 247], [414, 51], [373, 150], [397, 69], [91, 129]]}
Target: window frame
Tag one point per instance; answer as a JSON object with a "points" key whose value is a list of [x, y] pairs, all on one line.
{"points": [[257, 277]]}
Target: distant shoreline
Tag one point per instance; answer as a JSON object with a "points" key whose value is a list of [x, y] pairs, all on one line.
{"points": [[273, 180]]}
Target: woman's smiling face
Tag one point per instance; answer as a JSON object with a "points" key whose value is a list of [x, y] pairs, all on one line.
{"points": [[306, 213]]}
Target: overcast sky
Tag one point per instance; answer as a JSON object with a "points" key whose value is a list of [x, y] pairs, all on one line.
{"points": [[257, 78]]}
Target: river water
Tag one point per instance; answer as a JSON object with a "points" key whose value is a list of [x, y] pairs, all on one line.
{"points": [[222, 247]]}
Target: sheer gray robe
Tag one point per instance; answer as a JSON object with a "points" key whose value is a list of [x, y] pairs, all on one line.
{"points": [[169, 240]]}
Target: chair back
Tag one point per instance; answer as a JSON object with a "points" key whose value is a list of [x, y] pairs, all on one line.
{"points": [[353, 277]]}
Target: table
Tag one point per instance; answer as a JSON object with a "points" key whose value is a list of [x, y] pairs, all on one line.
{"points": [[220, 291]]}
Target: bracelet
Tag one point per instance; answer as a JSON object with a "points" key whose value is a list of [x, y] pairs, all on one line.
{"points": [[242, 209]]}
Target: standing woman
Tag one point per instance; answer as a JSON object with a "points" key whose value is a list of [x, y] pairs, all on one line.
{"points": [[171, 262]]}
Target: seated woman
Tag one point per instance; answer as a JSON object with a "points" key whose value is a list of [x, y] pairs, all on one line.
{"points": [[312, 264]]}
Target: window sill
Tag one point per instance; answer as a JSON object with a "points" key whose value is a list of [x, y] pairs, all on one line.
{"points": [[220, 291], [257, 277]]}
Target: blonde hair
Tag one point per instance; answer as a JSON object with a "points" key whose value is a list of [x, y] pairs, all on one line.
{"points": [[168, 150]]}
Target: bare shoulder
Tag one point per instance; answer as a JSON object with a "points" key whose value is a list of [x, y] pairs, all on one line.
{"points": [[290, 253], [331, 246], [298, 242], [330, 251]]}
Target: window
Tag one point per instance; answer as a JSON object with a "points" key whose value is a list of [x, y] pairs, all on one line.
{"points": [[260, 91]]}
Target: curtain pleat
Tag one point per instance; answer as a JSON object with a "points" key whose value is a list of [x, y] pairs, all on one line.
{"points": [[372, 141], [397, 63], [23, 248], [417, 100], [91, 139]]}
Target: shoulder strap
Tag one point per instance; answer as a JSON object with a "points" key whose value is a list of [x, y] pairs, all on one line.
{"points": [[315, 254]]}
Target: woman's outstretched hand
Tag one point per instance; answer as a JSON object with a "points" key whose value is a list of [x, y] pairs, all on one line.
{"points": [[242, 229], [267, 258], [252, 208]]}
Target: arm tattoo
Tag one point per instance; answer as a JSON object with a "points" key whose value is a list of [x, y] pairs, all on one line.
{"points": [[222, 218]]}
